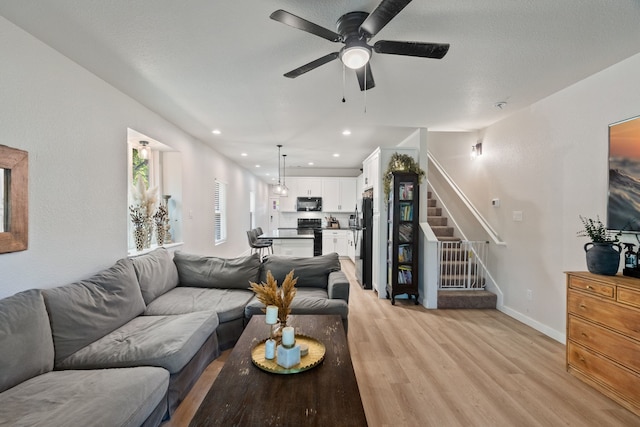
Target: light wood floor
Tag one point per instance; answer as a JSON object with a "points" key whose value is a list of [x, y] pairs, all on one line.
{"points": [[418, 367]]}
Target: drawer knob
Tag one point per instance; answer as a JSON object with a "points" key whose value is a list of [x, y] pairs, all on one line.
{"points": [[582, 306], [589, 287]]}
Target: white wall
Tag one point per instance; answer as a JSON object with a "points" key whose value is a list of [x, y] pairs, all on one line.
{"points": [[550, 162], [74, 126]]}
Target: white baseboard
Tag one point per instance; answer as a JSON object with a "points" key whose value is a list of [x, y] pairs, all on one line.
{"points": [[551, 333]]}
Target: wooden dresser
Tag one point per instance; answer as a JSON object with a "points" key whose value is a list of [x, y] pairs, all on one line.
{"points": [[603, 334]]}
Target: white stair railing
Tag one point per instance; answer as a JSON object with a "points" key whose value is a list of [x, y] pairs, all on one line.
{"points": [[462, 264]]}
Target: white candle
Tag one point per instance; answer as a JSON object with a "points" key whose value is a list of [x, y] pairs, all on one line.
{"points": [[288, 336], [269, 349], [272, 315]]}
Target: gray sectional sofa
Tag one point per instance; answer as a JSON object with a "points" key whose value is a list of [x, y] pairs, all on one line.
{"points": [[124, 347]]}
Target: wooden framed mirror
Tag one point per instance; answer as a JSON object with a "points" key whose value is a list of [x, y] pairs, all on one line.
{"points": [[14, 199]]}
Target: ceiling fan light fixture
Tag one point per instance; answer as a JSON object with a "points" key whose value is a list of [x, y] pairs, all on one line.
{"points": [[355, 56]]}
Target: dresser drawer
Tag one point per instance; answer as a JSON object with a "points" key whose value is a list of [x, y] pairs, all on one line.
{"points": [[629, 296], [625, 320], [615, 346], [595, 288], [615, 377]]}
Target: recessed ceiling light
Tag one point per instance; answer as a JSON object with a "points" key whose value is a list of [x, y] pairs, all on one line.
{"points": [[346, 132], [336, 155], [243, 154], [257, 166], [216, 132], [310, 163]]}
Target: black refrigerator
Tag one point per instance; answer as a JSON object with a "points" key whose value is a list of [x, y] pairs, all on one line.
{"points": [[363, 257]]}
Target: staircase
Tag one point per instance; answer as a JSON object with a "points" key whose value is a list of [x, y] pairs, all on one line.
{"points": [[456, 266]]}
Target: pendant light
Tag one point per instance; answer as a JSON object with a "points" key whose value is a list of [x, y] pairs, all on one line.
{"points": [[143, 151], [285, 190], [278, 189]]}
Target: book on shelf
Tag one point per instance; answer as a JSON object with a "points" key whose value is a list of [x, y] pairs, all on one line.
{"points": [[405, 253], [405, 233], [405, 191], [404, 275], [406, 212]]}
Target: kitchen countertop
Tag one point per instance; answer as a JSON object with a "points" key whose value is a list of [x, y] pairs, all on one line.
{"points": [[285, 233]]}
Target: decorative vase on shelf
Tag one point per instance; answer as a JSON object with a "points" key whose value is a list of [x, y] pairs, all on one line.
{"points": [[148, 227], [602, 258], [139, 235], [160, 230]]}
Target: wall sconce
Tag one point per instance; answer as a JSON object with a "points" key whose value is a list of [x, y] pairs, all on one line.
{"points": [[144, 149], [476, 150]]}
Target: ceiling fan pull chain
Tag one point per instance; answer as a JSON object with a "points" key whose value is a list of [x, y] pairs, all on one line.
{"points": [[365, 89], [343, 80]]}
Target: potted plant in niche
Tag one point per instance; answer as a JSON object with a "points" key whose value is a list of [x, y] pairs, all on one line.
{"points": [[602, 256]]}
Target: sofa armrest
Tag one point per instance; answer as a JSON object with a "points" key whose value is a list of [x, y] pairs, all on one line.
{"points": [[338, 286]]}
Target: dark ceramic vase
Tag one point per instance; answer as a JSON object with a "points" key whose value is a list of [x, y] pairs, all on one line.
{"points": [[603, 258]]}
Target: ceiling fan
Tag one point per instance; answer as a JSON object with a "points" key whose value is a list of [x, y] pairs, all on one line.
{"points": [[355, 29]]}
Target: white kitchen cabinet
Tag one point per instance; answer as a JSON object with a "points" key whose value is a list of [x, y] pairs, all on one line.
{"points": [[351, 246], [308, 187], [335, 241], [371, 169], [339, 194]]}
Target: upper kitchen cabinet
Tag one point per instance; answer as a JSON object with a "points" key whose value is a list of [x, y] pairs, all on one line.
{"points": [[371, 170], [339, 194], [309, 187]]}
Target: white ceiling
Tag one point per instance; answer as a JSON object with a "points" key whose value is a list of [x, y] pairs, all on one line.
{"points": [[205, 65]]}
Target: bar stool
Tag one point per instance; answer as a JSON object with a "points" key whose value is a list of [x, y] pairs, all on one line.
{"points": [[257, 246]]}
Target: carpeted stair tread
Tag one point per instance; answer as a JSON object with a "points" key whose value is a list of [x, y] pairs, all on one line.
{"points": [[475, 299]]}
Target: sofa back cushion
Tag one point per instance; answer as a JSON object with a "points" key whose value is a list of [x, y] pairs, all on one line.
{"points": [[26, 346], [156, 272], [211, 272], [85, 311], [311, 272]]}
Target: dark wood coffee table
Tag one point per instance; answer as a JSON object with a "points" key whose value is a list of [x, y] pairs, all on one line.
{"points": [[326, 395]]}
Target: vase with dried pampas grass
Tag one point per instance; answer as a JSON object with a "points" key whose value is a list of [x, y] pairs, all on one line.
{"points": [[270, 294], [145, 200]]}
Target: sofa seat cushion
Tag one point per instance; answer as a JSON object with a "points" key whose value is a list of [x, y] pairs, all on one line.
{"points": [[103, 397], [156, 273], [82, 312], [227, 303], [312, 272], [211, 272], [306, 301], [26, 346], [165, 341]]}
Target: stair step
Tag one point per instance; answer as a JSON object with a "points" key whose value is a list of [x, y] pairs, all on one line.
{"points": [[467, 299], [431, 203], [434, 211], [442, 231], [428, 194], [448, 238], [437, 220]]}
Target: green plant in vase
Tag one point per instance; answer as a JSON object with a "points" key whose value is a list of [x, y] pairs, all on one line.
{"points": [[602, 256]]}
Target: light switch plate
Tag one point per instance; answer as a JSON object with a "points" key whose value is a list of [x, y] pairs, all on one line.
{"points": [[517, 216]]}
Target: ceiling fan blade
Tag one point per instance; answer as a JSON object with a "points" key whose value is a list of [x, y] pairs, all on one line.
{"points": [[312, 65], [368, 78], [385, 12], [304, 25], [423, 50]]}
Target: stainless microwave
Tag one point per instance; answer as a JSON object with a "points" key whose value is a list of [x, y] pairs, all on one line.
{"points": [[309, 204]]}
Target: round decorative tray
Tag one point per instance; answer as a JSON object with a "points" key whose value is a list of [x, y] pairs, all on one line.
{"points": [[312, 359]]}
